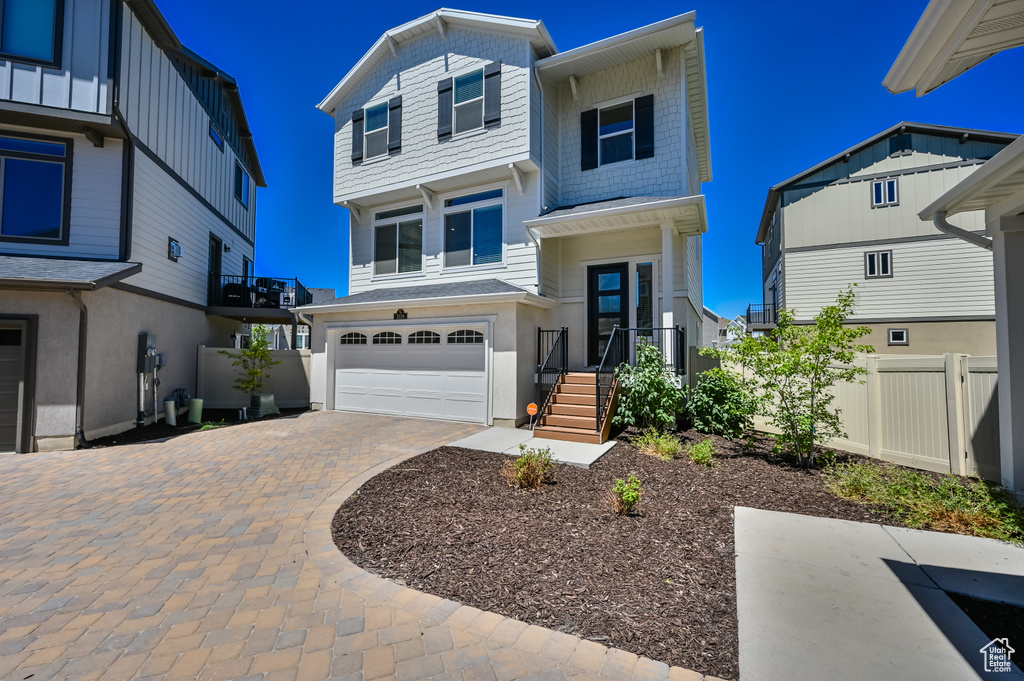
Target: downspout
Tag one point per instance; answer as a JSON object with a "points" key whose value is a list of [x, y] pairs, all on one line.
{"points": [[940, 224], [83, 331]]}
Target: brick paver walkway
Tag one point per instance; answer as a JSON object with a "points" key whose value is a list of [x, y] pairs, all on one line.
{"points": [[210, 557]]}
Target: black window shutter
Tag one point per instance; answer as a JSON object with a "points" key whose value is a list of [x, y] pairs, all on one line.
{"points": [[395, 124], [357, 136], [492, 94], [444, 109], [588, 139], [643, 123]]}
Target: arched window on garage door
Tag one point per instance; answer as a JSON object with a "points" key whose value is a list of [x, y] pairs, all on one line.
{"points": [[353, 338], [466, 337], [387, 338], [424, 338]]}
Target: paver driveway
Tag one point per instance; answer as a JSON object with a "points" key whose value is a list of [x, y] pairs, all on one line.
{"points": [[209, 557]]}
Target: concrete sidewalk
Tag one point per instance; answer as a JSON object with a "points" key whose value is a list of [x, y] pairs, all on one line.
{"points": [[820, 598], [507, 441]]}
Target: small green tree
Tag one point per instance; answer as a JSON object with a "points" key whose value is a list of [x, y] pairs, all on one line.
{"points": [[254, 361], [720, 403], [793, 368], [650, 398]]}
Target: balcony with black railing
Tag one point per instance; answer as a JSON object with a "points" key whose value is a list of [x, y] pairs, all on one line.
{"points": [[762, 317], [258, 298]]}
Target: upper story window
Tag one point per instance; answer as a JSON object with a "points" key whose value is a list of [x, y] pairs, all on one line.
{"points": [[375, 137], [217, 138], [474, 229], [241, 185], [377, 130], [398, 242], [31, 31], [877, 264], [469, 101], [616, 132], [35, 178], [885, 193]]}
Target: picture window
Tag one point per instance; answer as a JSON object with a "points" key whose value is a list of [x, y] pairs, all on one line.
{"points": [[33, 186], [474, 234]]}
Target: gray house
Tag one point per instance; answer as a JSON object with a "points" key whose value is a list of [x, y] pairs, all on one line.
{"points": [[852, 219]]}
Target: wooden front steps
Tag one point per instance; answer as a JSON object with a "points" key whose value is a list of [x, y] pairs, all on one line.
{"points": [[571, 413]]}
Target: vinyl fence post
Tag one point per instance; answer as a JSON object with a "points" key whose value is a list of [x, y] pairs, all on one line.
{"points": [[955, 414], [874, 409], [200, 372]]}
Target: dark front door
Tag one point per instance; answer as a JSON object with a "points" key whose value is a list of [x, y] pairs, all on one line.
{"points": [[607, 306], [216, 246]]}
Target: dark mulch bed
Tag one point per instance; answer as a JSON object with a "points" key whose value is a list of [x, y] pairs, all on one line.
{"points": [[161, 431], [660, 583], [996, 620]]}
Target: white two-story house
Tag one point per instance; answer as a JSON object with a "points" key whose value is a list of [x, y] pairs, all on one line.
{"points": [[852, 220], [498, 187], [128, 179]]}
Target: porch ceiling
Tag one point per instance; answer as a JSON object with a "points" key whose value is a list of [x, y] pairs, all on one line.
{"points": [[688, 215]]}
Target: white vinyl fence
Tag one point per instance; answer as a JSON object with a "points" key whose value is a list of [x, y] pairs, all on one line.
{"points": [[288, 381], [937, 413]]}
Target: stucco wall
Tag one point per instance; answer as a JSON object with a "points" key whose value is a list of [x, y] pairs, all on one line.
{"points": [[936, 338]]}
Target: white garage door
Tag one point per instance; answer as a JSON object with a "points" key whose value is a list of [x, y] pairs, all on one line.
{"points": [[431, 371]]}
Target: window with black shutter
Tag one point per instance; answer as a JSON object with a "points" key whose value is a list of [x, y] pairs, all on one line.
{"points": [[618, 132], [469, 101]]}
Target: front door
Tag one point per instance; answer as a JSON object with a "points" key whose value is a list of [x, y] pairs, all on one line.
{"points": [[607, 306], [216, 285]]}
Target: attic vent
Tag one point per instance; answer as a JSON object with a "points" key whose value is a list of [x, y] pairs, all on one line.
{"points": [[900, 144]]}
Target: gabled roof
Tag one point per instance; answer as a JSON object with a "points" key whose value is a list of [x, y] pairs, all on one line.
{"points": [[953, 36], [939, 130], [436, 22], [163, 35]]}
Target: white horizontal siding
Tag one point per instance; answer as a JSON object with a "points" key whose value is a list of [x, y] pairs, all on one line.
{"points": [[162, 112], [80, 82], [934, 278], [162, 209]]}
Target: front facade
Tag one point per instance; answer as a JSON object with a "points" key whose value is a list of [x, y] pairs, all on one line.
{"points": [[852, 220], [129, 182], [497, 186]]}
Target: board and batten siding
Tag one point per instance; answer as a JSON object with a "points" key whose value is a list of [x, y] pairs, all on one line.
{"points": [[162, 112], [156, 197], [414, 74], [95, 220], [520, 266], [932, 278], [81, 83]]}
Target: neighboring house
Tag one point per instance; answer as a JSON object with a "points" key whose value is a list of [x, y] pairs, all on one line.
{"points": [[952, 37], [498, 186], [716, 330], [129, 179], [852, 219]]}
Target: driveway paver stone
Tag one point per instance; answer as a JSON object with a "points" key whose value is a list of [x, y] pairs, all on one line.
{"points": [[209, 556]]}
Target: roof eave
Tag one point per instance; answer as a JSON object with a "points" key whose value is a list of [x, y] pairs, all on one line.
{"points": [[706, 176], [478, 299], [28, 284], [697, 200]]}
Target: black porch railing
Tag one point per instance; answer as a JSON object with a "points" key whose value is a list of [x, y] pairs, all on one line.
{"points": [[622, 349], [553, 364], [762, 315], [257, 292]]}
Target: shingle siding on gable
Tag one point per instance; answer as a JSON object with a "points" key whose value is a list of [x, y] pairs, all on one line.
{"points": [[662, 175], [419, 66]]}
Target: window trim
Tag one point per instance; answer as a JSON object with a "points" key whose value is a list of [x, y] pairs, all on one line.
{"points": [[906, 336], [465, 71], [351, 338], [375, 223], [215, 135], [878, 275], [420, 337], [386, 129], [246, 189], [68, 161], [58, 40], [387, 337], [632, 132], [503, 201], [884, 182]]}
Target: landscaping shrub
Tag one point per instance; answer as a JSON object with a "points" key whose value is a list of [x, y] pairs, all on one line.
{"points": [[530, 470], [702, 452], [720, 404], [650, 397], [655, 443], [627, 494], [948, 502]]}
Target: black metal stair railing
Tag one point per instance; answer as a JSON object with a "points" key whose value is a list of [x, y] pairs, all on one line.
{"points": [[622, 349], [552, 366]]}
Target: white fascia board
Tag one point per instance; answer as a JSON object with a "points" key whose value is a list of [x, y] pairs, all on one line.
{"points": [[697, 200], [997, 169], [525, 297], [704, 117]]}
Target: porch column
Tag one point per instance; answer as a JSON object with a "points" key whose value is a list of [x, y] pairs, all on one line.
{"points": [[668, 283], [1008, 255]]}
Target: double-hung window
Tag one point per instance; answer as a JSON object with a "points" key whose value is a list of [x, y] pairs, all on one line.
{"points": [[31, 31], [241, 185], [34, 186], [469, 101], [398, 241], [615, 133], [885, 193], [474, 229], [877, 264], [375, 136]]}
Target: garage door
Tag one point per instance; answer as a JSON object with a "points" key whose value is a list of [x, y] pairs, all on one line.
{"points": [[431, 371], [11, 371]]}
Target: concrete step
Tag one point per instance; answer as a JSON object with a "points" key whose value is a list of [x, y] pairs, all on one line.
{"points": [[565, 421], [567, 434], [573, 409]]}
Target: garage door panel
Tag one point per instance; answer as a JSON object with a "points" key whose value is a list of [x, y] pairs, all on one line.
{"points": [[465, 383], [425, 405], [430, 381], [392, 402]]}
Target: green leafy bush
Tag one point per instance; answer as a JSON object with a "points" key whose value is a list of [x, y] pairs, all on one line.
{"points": [[948, 502], [627, 494], [650, 397], [702, 452], [720, 404], [655, 443], [530, 470]]}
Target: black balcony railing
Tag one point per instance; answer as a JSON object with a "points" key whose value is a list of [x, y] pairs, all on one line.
{"points": [[762, 315], [622, 349], [257, 292]]}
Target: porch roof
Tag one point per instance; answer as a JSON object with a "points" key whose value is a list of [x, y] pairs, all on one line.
{"points": [[687, 213], [20, 272], [431, 295]]}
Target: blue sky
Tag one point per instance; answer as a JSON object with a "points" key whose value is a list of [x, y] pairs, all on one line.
{"points": [[790, 84]]}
